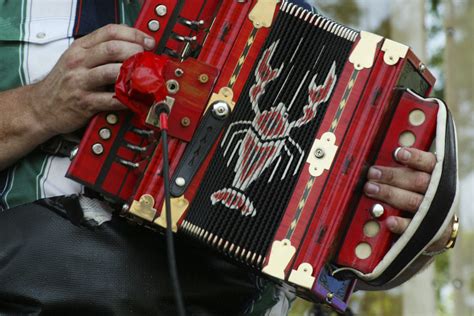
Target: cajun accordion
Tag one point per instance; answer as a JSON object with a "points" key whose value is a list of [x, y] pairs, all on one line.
{"points": [[276, 114]]}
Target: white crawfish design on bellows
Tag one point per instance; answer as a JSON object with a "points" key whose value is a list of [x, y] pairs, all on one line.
{"points": [[261, 141]]}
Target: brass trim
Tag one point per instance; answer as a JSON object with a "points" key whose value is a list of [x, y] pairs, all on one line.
{"points": [[393, 52], [303, 276], [143, 208], [225, 94], [281, 254], [322, 154], [363, 55], [152, 118], [178, 206], [262, 13]]}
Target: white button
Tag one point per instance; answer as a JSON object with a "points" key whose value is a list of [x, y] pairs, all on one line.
{"points": [[41, 35]]}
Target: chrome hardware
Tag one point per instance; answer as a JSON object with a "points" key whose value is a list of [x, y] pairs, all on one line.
{"points": [[172, 86], [73, 152], [129, 164], [161, 10], [180, 181], [185, 39], [171, 52], [136, 148], [111, 118], [194, 25], [377, 210], [142, 132], [422, 68], [220, 109], [105, 133], [125, 208], [319, 153], [98, 149], [153, 25], [178, 72]]}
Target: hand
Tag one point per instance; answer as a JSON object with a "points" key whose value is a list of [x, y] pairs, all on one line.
{"points": [[404, 188], [76, 88]]}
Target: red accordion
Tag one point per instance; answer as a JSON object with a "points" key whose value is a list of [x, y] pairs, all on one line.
{"points": [[276, 114]]}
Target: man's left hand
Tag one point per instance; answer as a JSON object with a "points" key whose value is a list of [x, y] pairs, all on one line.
{"points": [[404, 188]]}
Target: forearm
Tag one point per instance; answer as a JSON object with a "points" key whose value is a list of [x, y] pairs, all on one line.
{"points": [[20, 129]]}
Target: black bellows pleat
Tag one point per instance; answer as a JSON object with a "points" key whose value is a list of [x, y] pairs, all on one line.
{"points": [[304, 50]]}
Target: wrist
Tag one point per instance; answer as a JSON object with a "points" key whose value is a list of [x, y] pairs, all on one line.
{"points": [[38, 118]]}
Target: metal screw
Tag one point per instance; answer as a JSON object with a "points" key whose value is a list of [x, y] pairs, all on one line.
{"points": [[125, 208], [73, 152], [178, 72], [98, 149], [172, 86], [180, 181], [112, 119], [329, 297], [105, 133], [319, 153], [161, 10], [153, 25], [377, 210], [220, 109], [422, 67], [185, 121], [203, 78]]}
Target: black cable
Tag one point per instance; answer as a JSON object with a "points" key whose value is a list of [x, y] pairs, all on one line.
{"points": [[169, 232]]}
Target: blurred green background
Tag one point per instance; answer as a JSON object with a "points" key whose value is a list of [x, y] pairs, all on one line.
{"points": [[441, 34]]}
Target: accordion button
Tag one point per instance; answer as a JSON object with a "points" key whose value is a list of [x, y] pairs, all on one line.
{"points": [[180, 181], [112, 119], [97, 149], [153, 25], [377, 210], [161, 10], [105, 133]]}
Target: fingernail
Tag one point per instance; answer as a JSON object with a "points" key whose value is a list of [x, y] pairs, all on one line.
{"points": [[402, 154], [149, 43], [391, 223], [374, 173], [371, 188]]}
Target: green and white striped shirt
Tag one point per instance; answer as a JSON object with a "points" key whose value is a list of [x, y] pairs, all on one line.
{"points": [[33, 35]]}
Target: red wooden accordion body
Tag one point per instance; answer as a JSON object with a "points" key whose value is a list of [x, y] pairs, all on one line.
{"points": [[276, 115]]}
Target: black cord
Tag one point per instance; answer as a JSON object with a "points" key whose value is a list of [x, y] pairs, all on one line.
{"points": [[169, 232]]}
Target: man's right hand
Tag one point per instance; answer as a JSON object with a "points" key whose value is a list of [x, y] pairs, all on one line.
{"points": [[77, 86], [74, 90]]}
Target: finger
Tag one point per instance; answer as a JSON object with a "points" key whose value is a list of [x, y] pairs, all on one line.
{"points": [[396, 224], [396, 197], [103, 101], [416, 159], [111, 52], [116, 32], [403, 178], [103, 75]]}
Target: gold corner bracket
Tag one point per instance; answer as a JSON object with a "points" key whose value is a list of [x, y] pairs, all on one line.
{"points": [[363, 55], [322, 154], [178, 207], [143, 208], [280, 256], [394, 51], [303, 276], [262, 13], [225, 94]]}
